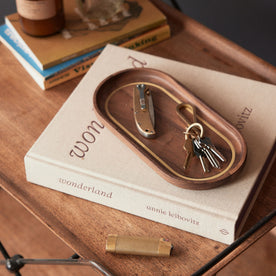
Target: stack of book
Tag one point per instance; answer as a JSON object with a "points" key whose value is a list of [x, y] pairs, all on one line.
{"points": [[55, 59]]}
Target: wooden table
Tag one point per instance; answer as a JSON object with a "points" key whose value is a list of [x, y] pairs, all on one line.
{"points": [[25, 110]]}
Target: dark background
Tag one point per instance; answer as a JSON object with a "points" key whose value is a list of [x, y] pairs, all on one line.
{"points": [[249, 23]]}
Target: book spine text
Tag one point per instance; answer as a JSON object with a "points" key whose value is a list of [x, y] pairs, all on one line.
{"points": [[116, 196]]}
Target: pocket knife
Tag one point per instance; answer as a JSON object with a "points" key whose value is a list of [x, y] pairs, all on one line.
{"points": [[143, 110]]}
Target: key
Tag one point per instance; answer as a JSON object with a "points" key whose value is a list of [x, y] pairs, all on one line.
{"points": [[202, 147], [211, 147], [211, 158], [204, 164], [200, 154], [188, 147]]}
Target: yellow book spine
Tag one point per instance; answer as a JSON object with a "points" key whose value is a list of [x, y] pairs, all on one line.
{"points": [[137, 43]]}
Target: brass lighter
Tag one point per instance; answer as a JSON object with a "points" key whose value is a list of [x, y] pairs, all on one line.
{"points": [[138, 245]]}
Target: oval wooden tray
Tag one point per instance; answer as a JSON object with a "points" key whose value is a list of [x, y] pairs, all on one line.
{"points": [[113, 103]]}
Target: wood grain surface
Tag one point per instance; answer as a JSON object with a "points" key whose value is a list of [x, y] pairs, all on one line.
{"points": [[25, 110]]}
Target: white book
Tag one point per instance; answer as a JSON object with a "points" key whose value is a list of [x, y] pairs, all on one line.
{"points": [[77, 155]]}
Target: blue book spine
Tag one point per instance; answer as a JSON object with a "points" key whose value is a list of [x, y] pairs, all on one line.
{"points": [[11, 39]]}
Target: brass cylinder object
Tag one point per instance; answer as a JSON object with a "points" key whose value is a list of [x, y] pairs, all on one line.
{"points": [[138, 245]]}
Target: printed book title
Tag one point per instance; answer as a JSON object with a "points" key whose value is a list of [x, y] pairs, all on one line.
{"points": [[85, 188]]}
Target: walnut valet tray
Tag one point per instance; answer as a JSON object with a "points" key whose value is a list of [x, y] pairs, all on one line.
{"points": [[113, 103]]}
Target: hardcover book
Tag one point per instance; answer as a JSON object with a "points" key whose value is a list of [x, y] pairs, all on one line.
{"points": [[76, 154], [83, 34], [77, 66]]}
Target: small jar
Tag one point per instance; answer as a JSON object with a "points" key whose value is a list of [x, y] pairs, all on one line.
{"points": [[41, 18]]}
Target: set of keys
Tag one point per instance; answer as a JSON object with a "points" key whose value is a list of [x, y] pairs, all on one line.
{"points": [[201, 147], [195, 144]]}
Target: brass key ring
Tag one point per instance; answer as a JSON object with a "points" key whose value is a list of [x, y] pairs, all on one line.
{"points": [[198, 126]]}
